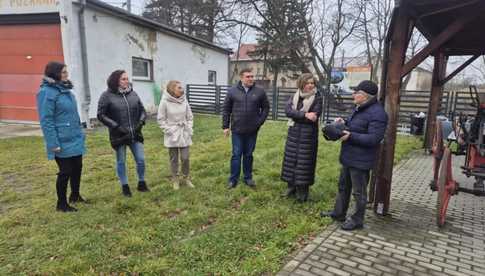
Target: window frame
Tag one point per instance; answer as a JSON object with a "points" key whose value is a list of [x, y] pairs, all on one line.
{"points": [[214, 72], [150, 69]]}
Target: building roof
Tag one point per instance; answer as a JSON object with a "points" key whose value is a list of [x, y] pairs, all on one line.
{"points": [[244, 52], [121, 13], [433, 17]]}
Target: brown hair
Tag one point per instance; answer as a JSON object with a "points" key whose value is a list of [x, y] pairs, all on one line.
{"points": [[113, 81], [53, 70], [303, 78], [171, 87], [245, 70]]}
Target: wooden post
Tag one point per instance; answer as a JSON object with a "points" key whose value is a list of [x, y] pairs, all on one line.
{"points": [[439, 73], [393, 86]]}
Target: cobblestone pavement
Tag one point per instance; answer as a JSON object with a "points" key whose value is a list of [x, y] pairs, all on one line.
{"points": [[407, 242]]}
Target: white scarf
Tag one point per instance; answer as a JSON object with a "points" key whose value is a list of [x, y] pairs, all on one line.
{"points": [[308, 98]]}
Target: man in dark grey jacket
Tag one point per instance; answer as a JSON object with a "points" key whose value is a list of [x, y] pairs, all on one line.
{"points": [[366, 128], [246, 108]]}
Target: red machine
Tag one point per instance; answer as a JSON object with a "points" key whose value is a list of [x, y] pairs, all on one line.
{"points": [[466, 136]]}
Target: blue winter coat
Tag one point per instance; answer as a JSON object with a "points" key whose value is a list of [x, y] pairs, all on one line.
{"points": [[59, 120], [367, 126]]}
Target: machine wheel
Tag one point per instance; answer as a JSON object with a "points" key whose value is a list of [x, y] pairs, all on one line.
{"points": [[446, 187], [437, 149]]}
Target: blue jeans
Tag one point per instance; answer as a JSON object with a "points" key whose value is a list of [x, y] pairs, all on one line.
{"points": [[139, 155], [242, 145]]}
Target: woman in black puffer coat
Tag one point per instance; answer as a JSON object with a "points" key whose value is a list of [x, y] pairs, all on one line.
{"points": [[303, 110], [121, 110]]}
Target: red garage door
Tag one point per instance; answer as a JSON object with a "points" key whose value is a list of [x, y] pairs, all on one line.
{"points": [[24, 52]]}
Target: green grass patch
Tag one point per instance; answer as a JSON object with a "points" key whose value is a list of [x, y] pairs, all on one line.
{"points": [[208, 230]]}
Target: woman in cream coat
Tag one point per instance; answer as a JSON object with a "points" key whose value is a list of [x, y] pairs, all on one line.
{"points": [[176, 120]]}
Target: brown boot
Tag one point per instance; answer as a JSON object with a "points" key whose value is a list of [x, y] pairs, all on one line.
{"points": [[175, 182], [186, 180]]}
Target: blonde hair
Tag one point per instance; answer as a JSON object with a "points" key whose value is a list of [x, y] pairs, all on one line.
{"points": [[302, 80], [171, 87]]}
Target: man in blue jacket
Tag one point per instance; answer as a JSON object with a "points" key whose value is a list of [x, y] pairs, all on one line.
{"points": [[245, 109], [366, 128]]}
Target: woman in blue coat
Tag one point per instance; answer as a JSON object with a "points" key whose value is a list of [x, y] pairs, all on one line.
{"points": [[63, 135]]}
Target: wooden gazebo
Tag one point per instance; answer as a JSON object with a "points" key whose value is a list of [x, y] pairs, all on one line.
{"points": [[452, 28]]}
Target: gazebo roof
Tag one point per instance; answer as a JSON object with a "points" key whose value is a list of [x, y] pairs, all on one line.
{"points": [[434, 17]]}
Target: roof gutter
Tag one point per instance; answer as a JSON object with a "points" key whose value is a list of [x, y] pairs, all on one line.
{"points": [[86, 100]]}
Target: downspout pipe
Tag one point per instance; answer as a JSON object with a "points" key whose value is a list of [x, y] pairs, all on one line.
{"points": [[86, 100]]}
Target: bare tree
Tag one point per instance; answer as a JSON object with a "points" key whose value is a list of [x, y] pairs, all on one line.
{"points": [[334, 21], [200, 18], [323, 26], [242, 31], [375, 20]]}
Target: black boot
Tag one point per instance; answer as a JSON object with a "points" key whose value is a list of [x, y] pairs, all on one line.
{"points": [[126, 190], [76, 198], [142, 186], [290, 191], [302, 193], [64, 207]]}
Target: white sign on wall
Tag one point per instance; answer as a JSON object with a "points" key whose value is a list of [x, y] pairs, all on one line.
{"points": [[28, 6]]}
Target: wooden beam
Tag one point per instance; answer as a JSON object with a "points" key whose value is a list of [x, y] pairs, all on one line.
{"points": [[439, 72], [437, 11], [465, 52], [392, 89], [439, 41], [459, 69]]}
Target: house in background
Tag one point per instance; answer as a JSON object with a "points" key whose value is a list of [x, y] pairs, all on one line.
{"points": [[264, 77], [93, 40], [355, 69], [358, 69]]}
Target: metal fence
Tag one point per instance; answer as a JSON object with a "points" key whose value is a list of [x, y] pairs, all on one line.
{"points": [[209, 99]]}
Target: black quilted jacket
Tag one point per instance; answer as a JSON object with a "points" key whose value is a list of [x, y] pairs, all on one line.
{"points": [[124, 115], [245, 112]]}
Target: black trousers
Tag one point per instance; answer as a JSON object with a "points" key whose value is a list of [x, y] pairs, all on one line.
{"points": [[352, 180], [69, 171]]}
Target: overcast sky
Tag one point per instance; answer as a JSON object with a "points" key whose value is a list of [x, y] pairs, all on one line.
{"points": [[136, 5]]}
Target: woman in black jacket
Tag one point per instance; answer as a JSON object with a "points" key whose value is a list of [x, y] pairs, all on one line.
{"points": [[303, 110], [121, 110]]}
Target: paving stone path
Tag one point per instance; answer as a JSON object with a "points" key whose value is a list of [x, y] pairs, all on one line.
{"points": [[407, 242]]}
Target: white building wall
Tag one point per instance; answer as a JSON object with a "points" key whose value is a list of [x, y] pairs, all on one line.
{"points": [[113, 41], [71, 45]]}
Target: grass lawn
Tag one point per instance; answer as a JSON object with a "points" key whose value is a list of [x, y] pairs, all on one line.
{"points": [[208, 230]]}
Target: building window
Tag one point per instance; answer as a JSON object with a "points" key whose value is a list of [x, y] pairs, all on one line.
{"points": [[142, 69], [212, 79]]}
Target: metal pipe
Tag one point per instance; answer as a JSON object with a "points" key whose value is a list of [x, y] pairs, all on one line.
{"points": [[86, 101]]}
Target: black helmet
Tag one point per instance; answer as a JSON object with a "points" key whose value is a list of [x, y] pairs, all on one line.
{"points": [[333, 131]]}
